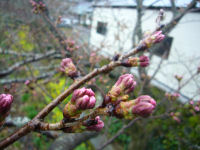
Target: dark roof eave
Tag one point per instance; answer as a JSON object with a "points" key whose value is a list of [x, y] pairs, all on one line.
{"points": [[133, 7]]}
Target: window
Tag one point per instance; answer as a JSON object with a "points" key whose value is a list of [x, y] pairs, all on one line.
{"points": [[163, 48], [101, 28]]}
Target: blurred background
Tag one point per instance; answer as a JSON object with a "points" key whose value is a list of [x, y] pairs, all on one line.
{"points": [[34, 41]]}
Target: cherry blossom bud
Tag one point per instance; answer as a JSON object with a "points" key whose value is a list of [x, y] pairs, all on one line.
{"points": [[70, 110], [154, 38], [173, 96], [5, 102], [68, 67], [191, 102], [198, 69], [27, 82], [83, 98], [175, 117], [144, 106], [196, 108], [58, 21], [5, 105], [37, 6], [125, 84], [179, 78], [97, 126], [94, 58], [142, 61]]}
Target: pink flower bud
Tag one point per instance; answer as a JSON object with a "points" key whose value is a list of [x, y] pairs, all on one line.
{"points": [[191, 102], [144, 61], [158, 37], [94, 58], [5, 103], [144, 106], [196, 108], [179, 78], [27, 82], [99, 124], [154, 38], [175, 96], [83, 98], [175, 117], [198, 69], [68, 67], [125, 84]]}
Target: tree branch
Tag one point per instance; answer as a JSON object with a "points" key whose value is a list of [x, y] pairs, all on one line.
{"points": [[24, 62]]}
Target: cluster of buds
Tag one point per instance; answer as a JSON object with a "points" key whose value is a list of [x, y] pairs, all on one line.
{"points": [[38, 7], [173, 96], [5, 105], [179, 78], [195, 106], [71, 45], [125, 84], [68, 67], [153, 38], [82, 99], [142, 61], [175, 116], [142, 106]]}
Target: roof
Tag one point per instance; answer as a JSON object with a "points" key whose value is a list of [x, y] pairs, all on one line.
{"points": [[82, 8], [147, 3]]}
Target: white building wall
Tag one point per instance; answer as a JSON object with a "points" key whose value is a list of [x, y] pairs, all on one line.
{"points": [[185, 52]]}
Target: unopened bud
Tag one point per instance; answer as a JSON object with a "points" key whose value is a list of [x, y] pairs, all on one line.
{"points": [[125, 84], [5, 105], [154, 38], [142, 61], [198, 69], [68, 67], [142, 106], [175, 117], [84, 98], [173, 96], [196, 108], [179, 78], [97, 124]]}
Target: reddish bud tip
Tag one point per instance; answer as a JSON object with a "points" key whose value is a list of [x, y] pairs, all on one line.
{"points": [[144, 61], [144, 106], [5, 103], [83, 98], [98, 125], [68, 67]]}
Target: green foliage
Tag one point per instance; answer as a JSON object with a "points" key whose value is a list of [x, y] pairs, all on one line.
{"points": [[124, 138], [31, 111], [40, 141], [25, 97], [54, 89], [85, 146]]}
